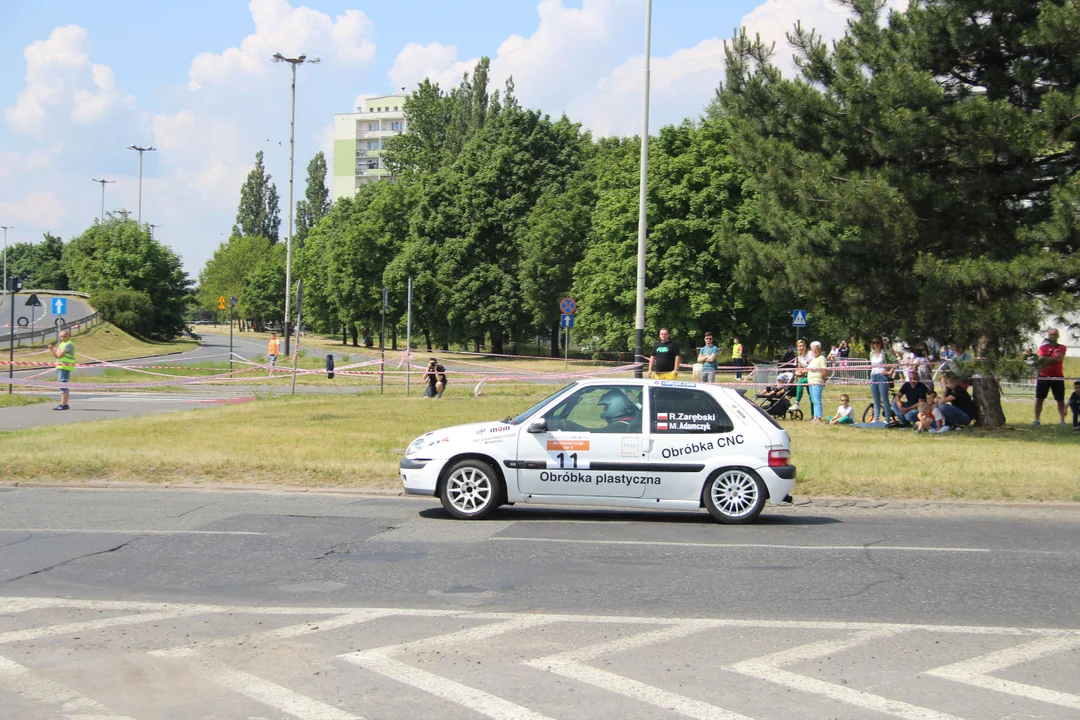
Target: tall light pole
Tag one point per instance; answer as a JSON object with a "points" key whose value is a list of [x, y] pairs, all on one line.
{"points": [[102, 216], [152, 226], [6, 228], [643, 187], [141, 150], [293, 62]]}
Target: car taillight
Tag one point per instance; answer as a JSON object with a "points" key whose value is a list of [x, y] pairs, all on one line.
{"points": [[779, 458]]}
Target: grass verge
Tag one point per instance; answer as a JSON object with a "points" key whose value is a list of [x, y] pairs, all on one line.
{"points": [[107, 342], [18, 400], [357, 440]]}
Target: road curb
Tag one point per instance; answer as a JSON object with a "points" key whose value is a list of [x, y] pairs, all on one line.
{"points": [[852, 503]]}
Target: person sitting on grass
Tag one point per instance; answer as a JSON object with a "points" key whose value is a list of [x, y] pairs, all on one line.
{"points": [[911, 392], [957, 405], [1074, 405], [930, 417], [844, 413]]}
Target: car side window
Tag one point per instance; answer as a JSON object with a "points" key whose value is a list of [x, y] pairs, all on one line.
{"points": [[599, 409], [683, 410]]}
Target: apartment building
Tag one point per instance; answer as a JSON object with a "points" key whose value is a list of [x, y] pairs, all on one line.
{"points": [[358, 142]]}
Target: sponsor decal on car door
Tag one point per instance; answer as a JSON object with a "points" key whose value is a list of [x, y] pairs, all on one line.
{"points": [[594, 446], [688, 428]]}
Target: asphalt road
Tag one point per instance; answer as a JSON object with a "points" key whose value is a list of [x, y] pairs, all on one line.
{"points": [[203, 604], [38, 317]]}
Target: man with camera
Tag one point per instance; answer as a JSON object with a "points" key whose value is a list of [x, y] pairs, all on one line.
{"points": [[435, 375]]}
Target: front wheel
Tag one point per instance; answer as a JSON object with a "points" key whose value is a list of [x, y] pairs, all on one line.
{"points": [[735, 496], [471, 490], [868, 413]]}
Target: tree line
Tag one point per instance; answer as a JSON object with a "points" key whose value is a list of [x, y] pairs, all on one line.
{"points": [[917, 178]]}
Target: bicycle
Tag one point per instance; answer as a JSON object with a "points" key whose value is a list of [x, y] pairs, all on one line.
{"points": [[868, 413]]}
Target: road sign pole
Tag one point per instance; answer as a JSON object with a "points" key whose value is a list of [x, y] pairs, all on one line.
{"points": [[382, 344], [230, 339], [566, 359], [408, 339], [11, 340]]}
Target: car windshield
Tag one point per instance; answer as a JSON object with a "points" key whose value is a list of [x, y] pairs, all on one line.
{"points": [[532, 411]]}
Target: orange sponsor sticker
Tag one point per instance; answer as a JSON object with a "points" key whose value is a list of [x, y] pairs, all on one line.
{"points": [[567, 444]]}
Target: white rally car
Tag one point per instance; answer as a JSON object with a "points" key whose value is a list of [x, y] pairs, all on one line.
{"points": [[628, 443]]}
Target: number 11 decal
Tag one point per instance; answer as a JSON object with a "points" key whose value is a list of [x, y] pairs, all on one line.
{"points": [[562, 460]]}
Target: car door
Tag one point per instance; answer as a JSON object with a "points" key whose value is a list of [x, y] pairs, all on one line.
{"points": [[687, 428], [584, 449]]}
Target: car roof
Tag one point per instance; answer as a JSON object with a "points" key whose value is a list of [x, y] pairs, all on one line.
{"points": [[644, 382]]}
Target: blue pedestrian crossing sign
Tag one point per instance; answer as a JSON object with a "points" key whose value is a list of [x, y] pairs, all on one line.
{"points": [[59, 306], [798, 318], [567, 321]]}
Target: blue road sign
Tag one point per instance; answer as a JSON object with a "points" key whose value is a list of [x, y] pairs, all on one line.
{"points": [[798, 318], [59, 306], [567, 321], [567, 306]]}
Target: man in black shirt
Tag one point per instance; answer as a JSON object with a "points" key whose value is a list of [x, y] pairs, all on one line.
{"points": [[960, 409], [435, 375], [911, 392], [664, 361]]}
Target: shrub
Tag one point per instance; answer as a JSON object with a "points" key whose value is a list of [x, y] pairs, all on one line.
{"points": [[130, 310]]}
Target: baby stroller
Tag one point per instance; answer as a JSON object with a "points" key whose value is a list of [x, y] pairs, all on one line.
{"points": [[775, 401]]}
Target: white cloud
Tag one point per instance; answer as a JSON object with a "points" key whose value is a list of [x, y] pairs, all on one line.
{"points": [[60, 77], [560, 59], [683, 83], [279, 27], [434, 61], [41, 209], [204, 152]]}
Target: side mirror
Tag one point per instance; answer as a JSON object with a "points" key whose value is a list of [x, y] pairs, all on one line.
{"points": [[539, 426]]}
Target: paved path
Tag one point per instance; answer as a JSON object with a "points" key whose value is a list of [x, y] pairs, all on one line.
{"points": [[189, 604], [38, 317]]}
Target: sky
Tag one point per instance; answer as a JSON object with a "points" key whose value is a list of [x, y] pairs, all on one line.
{"points": [[194, 79]]}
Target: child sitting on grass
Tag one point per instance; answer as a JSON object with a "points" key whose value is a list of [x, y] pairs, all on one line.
{"points": [[843, 414], [931, 419]]}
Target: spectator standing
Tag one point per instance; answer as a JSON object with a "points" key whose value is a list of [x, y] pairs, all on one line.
{"points": [[1051, 375], [907, 400], [958, 357], [664, 361], [922, 364], [737, 357], [958, 407], [803, 356], [707, 357], [816, 373], [1074, 405], [272, 352], [880, 379], [65, 364], [843, 351]]}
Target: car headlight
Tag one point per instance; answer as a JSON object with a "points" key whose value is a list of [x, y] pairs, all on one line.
{"points": [[415, 447]]}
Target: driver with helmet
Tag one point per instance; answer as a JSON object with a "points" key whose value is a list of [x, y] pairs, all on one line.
{"points": [[618, 410]]}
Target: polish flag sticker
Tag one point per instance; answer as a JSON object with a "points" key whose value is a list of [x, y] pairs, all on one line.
{"points": [[661, 426], [661, 416]]}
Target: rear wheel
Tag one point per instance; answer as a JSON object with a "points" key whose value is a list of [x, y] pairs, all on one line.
{"points": [[735, 496], [471, 490], [868, 413]]}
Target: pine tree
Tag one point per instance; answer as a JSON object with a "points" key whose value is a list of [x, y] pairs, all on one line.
{"points": [[316, 202], [905, 175], [259, 213]]}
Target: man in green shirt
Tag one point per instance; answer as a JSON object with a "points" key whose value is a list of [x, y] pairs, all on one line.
{"points": [[65, 363]]}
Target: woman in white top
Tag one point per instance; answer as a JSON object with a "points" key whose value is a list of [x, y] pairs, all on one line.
{"points": [[880, 372], [816, 373], [803, 356]]}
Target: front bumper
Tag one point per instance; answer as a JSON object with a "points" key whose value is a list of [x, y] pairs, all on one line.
{"points": [[420, 476]]}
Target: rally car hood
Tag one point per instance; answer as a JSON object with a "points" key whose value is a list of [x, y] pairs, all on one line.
{"points": [[472, 432]]}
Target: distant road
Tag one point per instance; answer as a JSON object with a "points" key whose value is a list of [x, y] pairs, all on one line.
{"points": [[38, 317]]}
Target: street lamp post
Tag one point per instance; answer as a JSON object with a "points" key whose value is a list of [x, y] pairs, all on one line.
{"points": [[6, 228], [152, 226], [101, 217], [141, 150], [293, 62], [643, 187]]}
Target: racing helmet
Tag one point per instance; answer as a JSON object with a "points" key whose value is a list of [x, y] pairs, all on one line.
{"points": [[616, 405]]}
